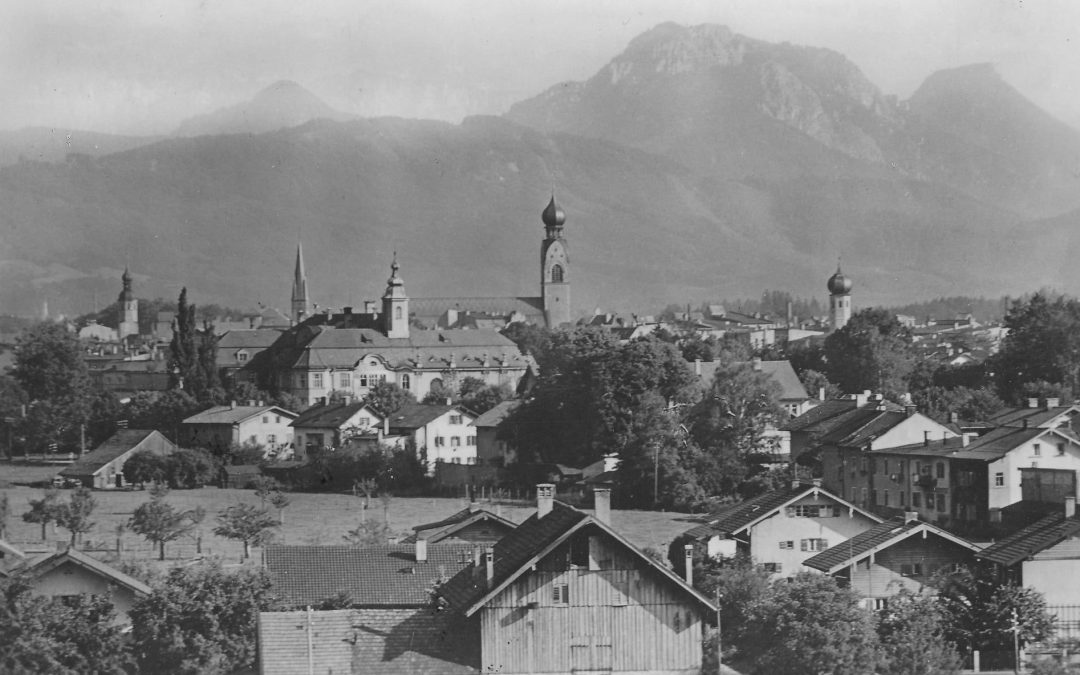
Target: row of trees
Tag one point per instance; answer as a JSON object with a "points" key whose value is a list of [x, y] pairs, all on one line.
{"points": [[812, 623]]}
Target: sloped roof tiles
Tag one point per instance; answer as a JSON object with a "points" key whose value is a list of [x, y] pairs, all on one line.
{"points": [[115, 446], [1030, 540]]}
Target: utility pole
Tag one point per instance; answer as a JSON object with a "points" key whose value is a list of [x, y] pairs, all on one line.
{"points": [[656, 475], [719, 637]]}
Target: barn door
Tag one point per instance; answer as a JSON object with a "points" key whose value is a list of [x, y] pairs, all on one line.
{"points": [[591, 654]]}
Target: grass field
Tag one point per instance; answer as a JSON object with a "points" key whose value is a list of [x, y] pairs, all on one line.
{"points": [[316, 519]]}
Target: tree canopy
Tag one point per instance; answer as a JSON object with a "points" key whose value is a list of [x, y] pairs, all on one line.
{"points": [[872, 352], [1042, 346]]}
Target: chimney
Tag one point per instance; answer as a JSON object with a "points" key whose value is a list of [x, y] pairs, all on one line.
{"points": [[795, 484], [473, 506], [232, 405], [1033, 403], [697, 367], [489, 562], [449, 401], [1070, 507], [688, 562], [861, 399], [602, 504], [346, 310], [756, 363], [1052, 403], [965, 439], [926, 439], [910, 516], [1025, 423], [421, 550], [954, 418], [816, 482], [476, 560], [909, 409], [545, 499], [369, 307], [821, 393]]}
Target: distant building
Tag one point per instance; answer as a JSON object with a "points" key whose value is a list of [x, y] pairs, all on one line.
{"points": [[839, 300], [221, 427], [471, 525], [323, 427], [129, 309], [104, 466], [495, 443], [71, 573], [440, 433]]}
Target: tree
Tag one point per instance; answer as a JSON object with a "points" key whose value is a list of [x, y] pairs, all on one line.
{"points": [[814, 381], [160, 522], [50, 369], [247, 524], [5, 513], [193, 355], [480, 397], [72, 635], [200, 619], [1042, 345], [980, 611], [368, 533], [145, 467], [939, 403], [911, 630], [872, 352], [809, 624], [74, 515], [164, 411], [280, 501], [388, 398], [264, 486], [189, 469], [44, 510]]}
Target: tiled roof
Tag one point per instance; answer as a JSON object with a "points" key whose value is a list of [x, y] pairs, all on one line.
{"points": [[816, 416], [495, 416], [447, 527], [515, 554], [733, 518], [224, 414], [43, 565], [429, 309], [880, 536], [372, 575], [1030, 540], [1036, 417], [856, 427], [258, 338], [383, 641], [989, 447], [784, 375], [416, 415], [330, 416], [119, 443]]}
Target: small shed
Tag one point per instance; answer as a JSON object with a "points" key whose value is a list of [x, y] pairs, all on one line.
{"points": [[104, 466]]}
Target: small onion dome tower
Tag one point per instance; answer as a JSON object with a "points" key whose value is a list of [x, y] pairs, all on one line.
{"points": [[395, 304], [839, 287], [129, 309], [554, 266]]}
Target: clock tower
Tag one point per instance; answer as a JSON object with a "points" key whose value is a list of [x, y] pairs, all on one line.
{"points": [[555, 267]]}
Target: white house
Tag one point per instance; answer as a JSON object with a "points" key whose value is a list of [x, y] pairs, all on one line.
{"points": [[783, 528], [331, 426], [441, 433], [225, 425]]}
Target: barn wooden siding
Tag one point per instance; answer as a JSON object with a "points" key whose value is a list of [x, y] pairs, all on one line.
{"points": [[621, 618], [885, 575]]}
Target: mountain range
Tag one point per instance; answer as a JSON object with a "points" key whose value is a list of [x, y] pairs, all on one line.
{"points": [[697, 164]]}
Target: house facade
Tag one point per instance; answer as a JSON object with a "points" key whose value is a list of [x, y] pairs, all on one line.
{"points": [[72, 572], [223, 426], [440, 433], [495, 443], [103, 467], [782, 528], [323, 427]]}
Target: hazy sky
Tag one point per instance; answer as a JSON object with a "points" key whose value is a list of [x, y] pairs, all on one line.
{"points": [[141, 66]]}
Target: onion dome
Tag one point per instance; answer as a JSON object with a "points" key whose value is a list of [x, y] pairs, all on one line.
{"points": [[553, 216], [839, 284], [126, 278], [394, 279]]}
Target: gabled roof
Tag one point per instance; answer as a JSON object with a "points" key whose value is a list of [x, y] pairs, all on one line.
{"points": [[76, 557], [1035, 417], [224, 414], [734, 519], [495, 416], [250, 338], [447, 527], [881, 536], [373, 576], [531, 541], [331, 416], [123, 441], [990, 447], [1030, 540], [860, 427], [784, 375], [816, 418], [8, 549], [416, 415]]}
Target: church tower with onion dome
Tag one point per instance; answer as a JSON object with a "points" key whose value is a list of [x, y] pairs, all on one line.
{"points": [[129, 309], [555, 267], [839, 300]]}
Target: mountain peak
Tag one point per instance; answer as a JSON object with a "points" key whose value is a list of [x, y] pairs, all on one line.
{"points": [[283, 104]]}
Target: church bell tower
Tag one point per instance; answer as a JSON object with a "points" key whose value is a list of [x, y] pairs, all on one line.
{"points": [[129, 309], [555, 267], [395, 305], [839, 300]]}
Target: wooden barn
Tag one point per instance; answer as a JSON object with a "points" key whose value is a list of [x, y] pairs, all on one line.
{"points": [[471, 525], [565, 593], [104, 467]]}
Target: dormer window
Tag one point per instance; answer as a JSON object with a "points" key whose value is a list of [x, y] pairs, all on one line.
{"points": [[242, 356]]}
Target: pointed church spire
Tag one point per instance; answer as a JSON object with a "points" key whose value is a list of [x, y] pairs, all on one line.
{"points": [[300, 302]]}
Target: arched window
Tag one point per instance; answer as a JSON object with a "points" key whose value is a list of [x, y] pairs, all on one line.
{"points": [[397, 313], [557, 273], [405, 382]]}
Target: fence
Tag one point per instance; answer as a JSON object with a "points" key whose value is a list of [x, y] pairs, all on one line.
{"points": [[1068, 621]]}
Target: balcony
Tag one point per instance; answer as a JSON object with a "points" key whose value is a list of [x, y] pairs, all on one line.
{"points": [[926, 481]]}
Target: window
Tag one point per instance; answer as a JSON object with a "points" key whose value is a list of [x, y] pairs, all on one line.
{"points": [[916, 499], [440, 441], [812, 511], [271, 439], [241, 356], [903, 499], [1061, 449], [363, 380], [999, 479], [560, 594], [277, 419], [854, 494], [455, 419], [941, 506], [864, 495], [406, 382], [470, 460], [813, 544], [775, 568], [397, 312], [884, 497], [788, 545], [266, 419], [455, 441], [557, 274], [941, 469], [316, 380], [1036, 449], [345, 380], [470, 440], [364, 422], [456, 460], [911, 569], [879, 604]]}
